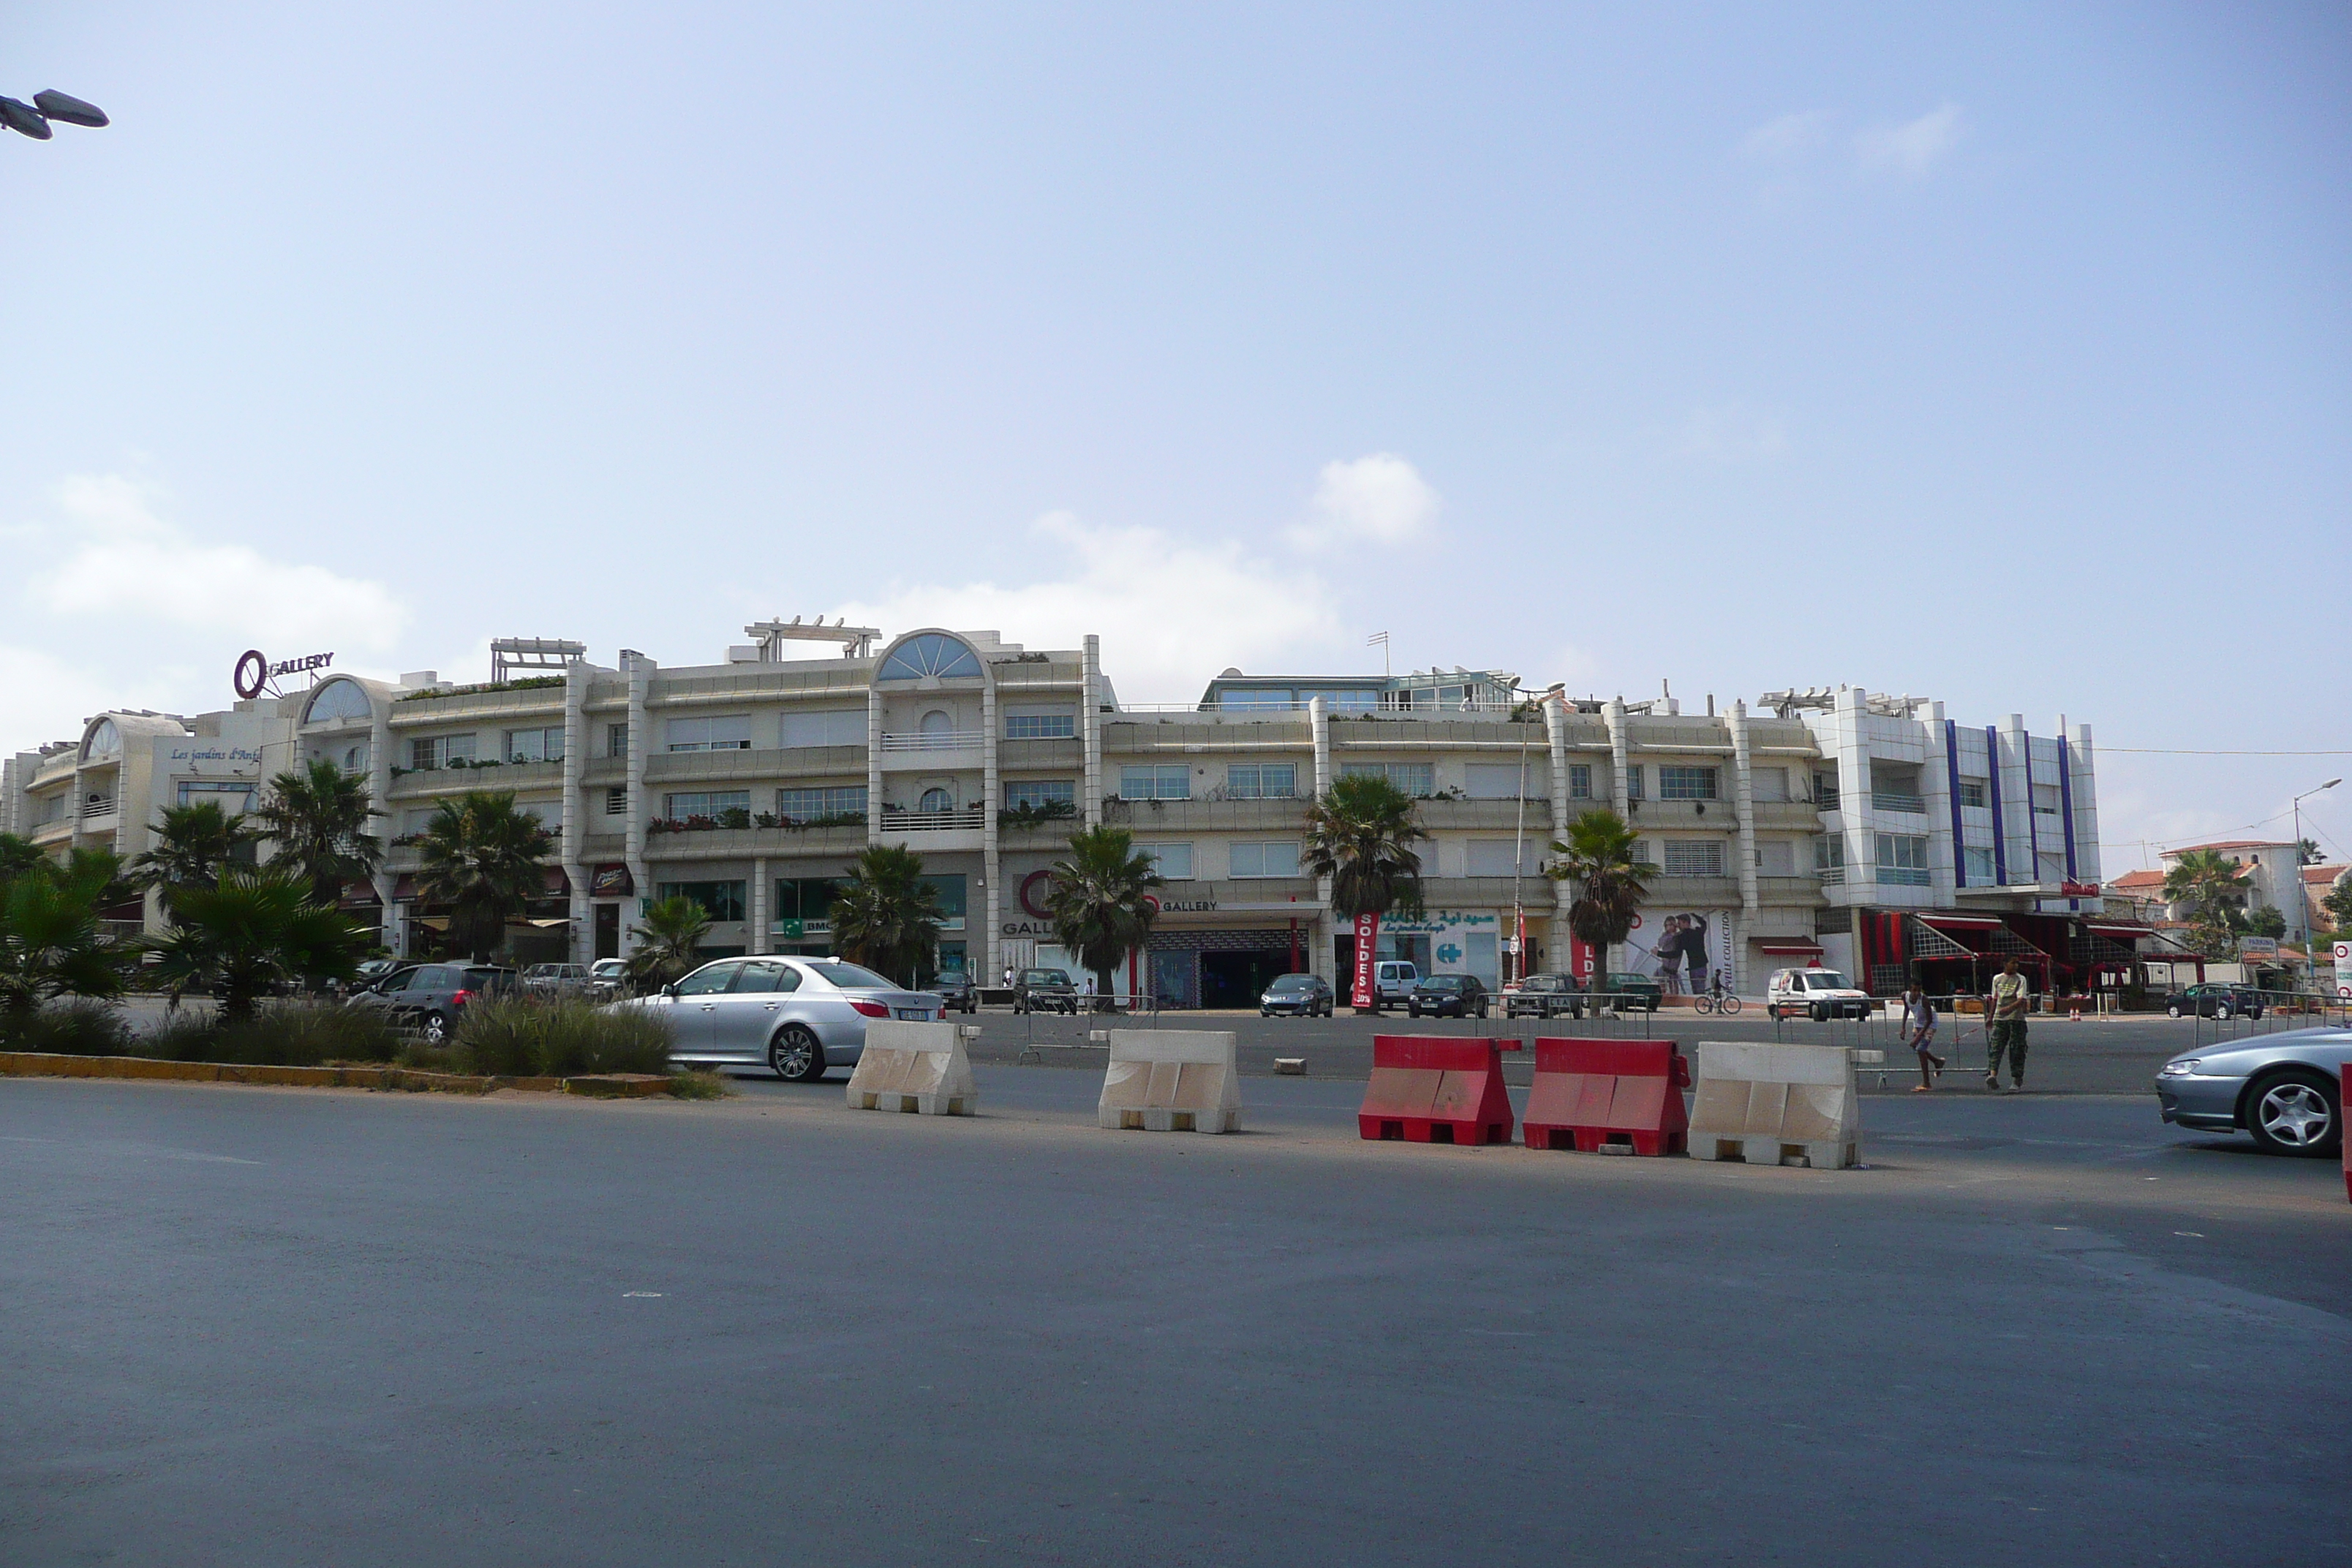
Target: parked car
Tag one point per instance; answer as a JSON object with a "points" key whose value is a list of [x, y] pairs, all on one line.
{"points": [[2216, 999], [554, 980], [433, 997], [1820, 993], [1449, 995], [796, 1017], [1543, 996], [1626, 991], [956, 991], [1301, 995], [2285, 1089], [1392, 982], [373, 971], [1044, 991], [610, 977]]}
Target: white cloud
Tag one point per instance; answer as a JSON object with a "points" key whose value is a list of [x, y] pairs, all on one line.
{"points": [[44, 699], [1787, 138], [1380, 499], [1171, 613], [115, 558], [1912, 148], [1733, 434]]}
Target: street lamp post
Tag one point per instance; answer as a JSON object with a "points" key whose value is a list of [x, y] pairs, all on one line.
{"points": [[2302, 899], [33, 118]]}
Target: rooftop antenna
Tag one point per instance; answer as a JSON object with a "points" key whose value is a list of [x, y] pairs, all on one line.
{"points": [[1380, 641]]}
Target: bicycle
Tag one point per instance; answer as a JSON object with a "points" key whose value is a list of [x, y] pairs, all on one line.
{"points": [[1716, 999]]}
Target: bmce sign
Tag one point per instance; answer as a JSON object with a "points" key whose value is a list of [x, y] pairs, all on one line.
{"points": [[256, 676]]}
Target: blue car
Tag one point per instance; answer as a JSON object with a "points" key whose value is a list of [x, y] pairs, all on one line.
{"points": [[2287, 1089]]}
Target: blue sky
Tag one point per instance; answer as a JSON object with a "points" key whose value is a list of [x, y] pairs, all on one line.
{"points": [[1996, 353]]}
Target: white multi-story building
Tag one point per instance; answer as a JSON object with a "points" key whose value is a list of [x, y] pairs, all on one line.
{"points": [[1860, 830]]}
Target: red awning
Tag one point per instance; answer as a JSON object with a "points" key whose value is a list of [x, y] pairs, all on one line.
{"points": [[1791, 949], [403, 891], [1961, 923], [358, 895]]}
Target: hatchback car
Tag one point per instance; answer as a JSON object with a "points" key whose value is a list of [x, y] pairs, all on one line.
{"points": [[1448, 996], [1299, 995], [2215, 999], [956, 991], [554, 980], [796, 1017], [609, 977], [2285, 1089], [432, 998], [1543, 996], [1628, 991], [1044, 991]]}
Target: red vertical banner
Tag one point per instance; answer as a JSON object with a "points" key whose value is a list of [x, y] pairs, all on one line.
{"points": [[1580, 958], [1368, 939]]}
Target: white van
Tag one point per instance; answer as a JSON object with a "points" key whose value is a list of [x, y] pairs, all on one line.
{"points": [[1820, 995], [1392, 982]]}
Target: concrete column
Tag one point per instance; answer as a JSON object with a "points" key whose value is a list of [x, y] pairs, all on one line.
{"points": [[2086, 820], [1090, 726], [1562, 895], [873, 764], [992, 724], [574, 849], [1319, 727], [1743, 794], [1612, 713], [759, 906], [379, 789], [640, 672]]}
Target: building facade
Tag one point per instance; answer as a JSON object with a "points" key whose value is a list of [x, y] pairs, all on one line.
{"points": [[1858, 830]]}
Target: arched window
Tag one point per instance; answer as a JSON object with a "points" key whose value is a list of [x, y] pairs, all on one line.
{"points": [[937, 726], [337, 699], [105, 741], [936, 799], [933, 653], [355, 758]]}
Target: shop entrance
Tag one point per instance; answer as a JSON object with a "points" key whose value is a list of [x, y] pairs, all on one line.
{"points": [[1238, 979], [608, 931]]}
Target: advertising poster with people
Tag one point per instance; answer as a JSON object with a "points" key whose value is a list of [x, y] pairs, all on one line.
{"points": [[1681, 950]]}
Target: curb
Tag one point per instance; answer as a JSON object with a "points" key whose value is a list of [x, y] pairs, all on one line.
{"points": [[42, 1063]]}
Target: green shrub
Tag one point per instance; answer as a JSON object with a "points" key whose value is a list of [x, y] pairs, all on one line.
{"points": [[418, 1057], [76, 1028], [520, 1038], [293, 1033], [695, 1083]]}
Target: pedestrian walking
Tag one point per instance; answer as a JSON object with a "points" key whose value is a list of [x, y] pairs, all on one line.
{"points": [[1919, 1023], [2005, 1026]]}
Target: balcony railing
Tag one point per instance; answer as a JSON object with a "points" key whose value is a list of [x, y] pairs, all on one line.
{"points": [[1898, 800], [932, 741], [97, 805], [1830, 876], [931, 821], [1902, 876]]}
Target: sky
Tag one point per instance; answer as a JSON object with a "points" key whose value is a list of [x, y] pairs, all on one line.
{"points": [[1991, 352]]}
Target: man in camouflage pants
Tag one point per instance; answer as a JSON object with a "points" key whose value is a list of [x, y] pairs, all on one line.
{"points": [[2005, 1026]]}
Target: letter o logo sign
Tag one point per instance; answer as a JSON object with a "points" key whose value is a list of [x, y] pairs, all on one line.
{"points": [[252, 674], [1029, 894]]}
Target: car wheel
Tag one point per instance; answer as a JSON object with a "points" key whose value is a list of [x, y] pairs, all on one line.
{"points": [[795, 1054], [1820, 1014], [2225, 1012], [2172, 1010], [2295, 1112], [1482, 1009], [435, 1028]]}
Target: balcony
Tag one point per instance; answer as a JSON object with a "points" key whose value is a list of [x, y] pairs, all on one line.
{"points": [[1898, 800], [932, 821], [934, 740], [96, 806], [1902, 876], [1830, 876]]}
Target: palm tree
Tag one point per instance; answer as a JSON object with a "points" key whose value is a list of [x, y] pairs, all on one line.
{"points": [[1360, 835], [1101, 904], [1601, 856], [885, 916], [191, 843], [481, 857], [317, 822], [2211, 887], [253, 932], [18, 856], [674, 928], [50, 941]]}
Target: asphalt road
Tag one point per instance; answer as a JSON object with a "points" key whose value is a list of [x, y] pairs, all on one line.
{"points": [[2095, 1056], [256, 1327]]}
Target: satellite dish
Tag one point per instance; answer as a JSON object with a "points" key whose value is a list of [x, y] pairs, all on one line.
{"points": [[65, 106], [24, 118]]}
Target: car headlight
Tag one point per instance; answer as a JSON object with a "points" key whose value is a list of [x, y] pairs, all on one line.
{"points": [[2178, 1069]]}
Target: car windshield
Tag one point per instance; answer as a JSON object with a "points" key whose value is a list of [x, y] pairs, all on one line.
{"points": [[1825, 980], [849, 976], [1044, 977], [1443, 983], [1294, 983]]}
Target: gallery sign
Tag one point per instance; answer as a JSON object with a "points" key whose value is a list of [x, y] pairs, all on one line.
{"points": [[256, 676]]}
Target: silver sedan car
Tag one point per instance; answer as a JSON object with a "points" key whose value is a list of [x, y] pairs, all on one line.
{"points": [[2285, 1089], [794, 1015]]}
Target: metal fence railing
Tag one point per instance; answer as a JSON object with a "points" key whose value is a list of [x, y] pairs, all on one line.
{"points": [[1088, 1025]]}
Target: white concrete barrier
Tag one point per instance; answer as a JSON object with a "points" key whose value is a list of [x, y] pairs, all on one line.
{"points": [[1172, 1081], [1776, 1105], [917, 1067]]}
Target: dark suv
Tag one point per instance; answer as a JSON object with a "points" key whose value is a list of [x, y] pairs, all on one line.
{"points": [[2216, 999], [432, 997], [1544, 995], [1627, 992], [1044, 991], [1444, 995]]}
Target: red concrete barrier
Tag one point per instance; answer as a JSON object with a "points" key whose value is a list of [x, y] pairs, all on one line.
{"points": [[1436, 1089], [1588, 1094]]}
